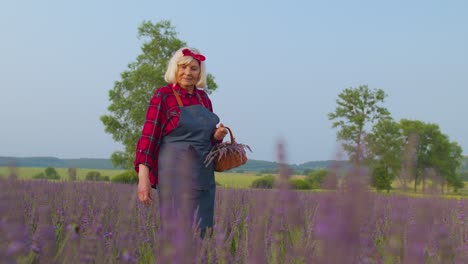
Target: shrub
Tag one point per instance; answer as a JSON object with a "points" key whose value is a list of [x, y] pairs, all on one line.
{"points": [[316, 178], [381, 178], [265, 182], [96, 176], [51, 173], [129, 176], [48, 174], [93, 176], [300, 184]]}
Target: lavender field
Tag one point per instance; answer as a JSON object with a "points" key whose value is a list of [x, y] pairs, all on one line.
{"points": [[97, 222]]}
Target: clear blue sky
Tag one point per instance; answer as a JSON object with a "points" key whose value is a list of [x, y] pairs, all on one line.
{"points": [[279, 65]]}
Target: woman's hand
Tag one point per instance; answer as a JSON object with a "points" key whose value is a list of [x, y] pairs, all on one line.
{"points": [[144, 185], [220, 132]]}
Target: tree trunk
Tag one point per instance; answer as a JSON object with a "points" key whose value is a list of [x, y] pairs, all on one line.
{"points": [[415, 183], [423, 183]]}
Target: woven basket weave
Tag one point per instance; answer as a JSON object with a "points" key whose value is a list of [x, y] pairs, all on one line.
{"points": [[231, 159]]}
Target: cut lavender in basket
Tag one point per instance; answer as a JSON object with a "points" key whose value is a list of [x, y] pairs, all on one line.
{"points": [[227, 155], [224, 149]]}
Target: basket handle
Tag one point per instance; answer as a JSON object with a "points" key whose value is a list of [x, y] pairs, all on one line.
{"points": [[233, 140]]}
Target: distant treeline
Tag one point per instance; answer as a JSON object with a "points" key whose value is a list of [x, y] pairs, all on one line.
{"points": [[250, 166], [87, 163], [272, 167], [44, 162]]}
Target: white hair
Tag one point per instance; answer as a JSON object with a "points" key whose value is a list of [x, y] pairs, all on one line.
{"points": [[179, 59]]}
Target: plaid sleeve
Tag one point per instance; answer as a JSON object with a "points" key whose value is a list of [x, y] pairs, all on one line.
{"points": [[148, 145]]}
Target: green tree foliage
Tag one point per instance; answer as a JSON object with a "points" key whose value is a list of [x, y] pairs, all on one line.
{"points": [[299, 184], [105, 178], [265, 182], [129, 176], [49, 173], [130, 96], [433, 150], [356, 108], [96, 176], [93, 176], [382, 177], [464, 175], [464, 166], [384, 151], [316, 178], [447, 159]]}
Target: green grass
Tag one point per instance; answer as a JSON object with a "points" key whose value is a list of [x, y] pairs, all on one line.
{"points": [[226, 179], [235, 180], [241, 180], [28, 173]]}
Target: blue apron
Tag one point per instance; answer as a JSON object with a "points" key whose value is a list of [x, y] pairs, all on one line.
{"points": [[186, 186]]}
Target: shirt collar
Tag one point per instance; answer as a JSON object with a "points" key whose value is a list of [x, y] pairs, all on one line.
{"points": [[184, 92]]}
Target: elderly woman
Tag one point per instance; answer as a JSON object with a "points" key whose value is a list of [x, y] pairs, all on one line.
{"points": [[178, 133]]}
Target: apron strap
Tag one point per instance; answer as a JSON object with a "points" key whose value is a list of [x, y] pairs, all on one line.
{"points": [[177, 96], [199, 99], [179, 101]]}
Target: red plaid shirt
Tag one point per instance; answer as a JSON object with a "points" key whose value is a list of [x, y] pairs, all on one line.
{"points": [[162, 117]]}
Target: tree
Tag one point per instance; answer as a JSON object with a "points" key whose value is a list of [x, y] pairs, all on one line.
{"points": [[382, 177], [357, 107], [129, 176], [464, 175], [93, 176], [130, 96], [420, 131], [446, 159], [385, 149], [51, 173], [265, 182], [433, 150], [299, 184], [316, 178]]}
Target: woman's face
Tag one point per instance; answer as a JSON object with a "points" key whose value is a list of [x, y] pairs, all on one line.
{"points": [[188, 74]]}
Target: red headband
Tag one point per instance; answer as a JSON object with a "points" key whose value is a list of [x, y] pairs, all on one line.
{"points": [[198, 57]]}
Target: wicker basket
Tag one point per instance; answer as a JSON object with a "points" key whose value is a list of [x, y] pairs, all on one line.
{"points": [[229, 155]]}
